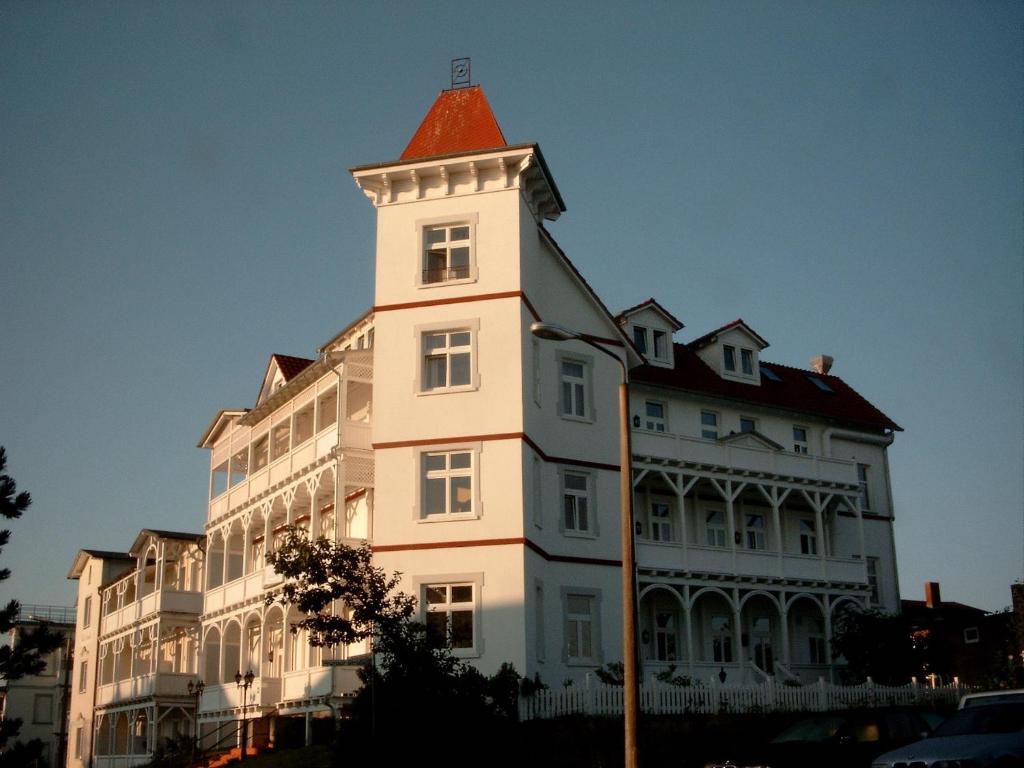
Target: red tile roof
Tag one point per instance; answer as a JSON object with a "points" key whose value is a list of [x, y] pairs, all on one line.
{"points": [[795, 392], [460, 121], [291, 366]]}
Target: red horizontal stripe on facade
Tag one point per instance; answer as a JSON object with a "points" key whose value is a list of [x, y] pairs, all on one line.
{"points": [[498, 543]]}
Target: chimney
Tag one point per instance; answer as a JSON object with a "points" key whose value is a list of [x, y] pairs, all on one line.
{"points": [[822, 363], [932, 596]]}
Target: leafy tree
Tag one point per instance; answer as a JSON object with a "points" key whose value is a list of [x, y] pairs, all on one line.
{"points": [[876, 645], [28, 655]]}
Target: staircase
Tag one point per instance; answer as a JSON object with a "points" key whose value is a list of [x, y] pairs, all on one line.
{"points": [[230, 757]]}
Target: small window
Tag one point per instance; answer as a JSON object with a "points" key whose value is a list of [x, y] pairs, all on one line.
{"points": [[447, 252], [873, 582], [748, 424], [661, 522], [239, 469], [574, 388], [730, 357], [747, 362], [660, 345], [449, 614], [327, 409], [753, 530], [640, 339], [579, 627], [820, 384], [280, 439], [808, 537], [862, 480], [447, 359], [302, 424], [78, 742], [714, 528], [576, 503], [971, 635], [87, 611], [769, 374], [709, 425], [83, 675], [447, 483], [800, 440], [655, 416]]}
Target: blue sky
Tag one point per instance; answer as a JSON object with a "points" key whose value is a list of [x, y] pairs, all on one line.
{"points": [[175, 207]]}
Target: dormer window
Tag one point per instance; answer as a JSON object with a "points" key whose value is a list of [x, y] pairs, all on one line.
{"points": [[747, 362], [640, 339], [730, 357], [660, 345]]}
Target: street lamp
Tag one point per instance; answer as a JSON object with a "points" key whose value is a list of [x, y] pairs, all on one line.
{"points": [[630, 689], [195, 690], [244, 683]]}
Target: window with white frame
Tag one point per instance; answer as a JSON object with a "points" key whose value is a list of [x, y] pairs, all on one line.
{"points": [[661, 521], [576, 512], [447, 483], [874, 586], [447, 360], [660, 345], [447, 253], [729, 357], [753, 530], [78, 742], [714, 528], [579, 628], [721, 639], [573, 375], [971, 635], [450, 610], [709, 425], [87, 611], [83, 675], [808, 537], [666, 635], [800, 439], [862, 480], [748, 424], [640, 339], [654, 416], [747, 362]]}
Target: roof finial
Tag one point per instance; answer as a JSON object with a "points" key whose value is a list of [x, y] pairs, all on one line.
{"points": [[460, 73]]}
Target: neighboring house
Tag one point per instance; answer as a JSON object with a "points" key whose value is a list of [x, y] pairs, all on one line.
{"points": [[482, 462], [959, 641], [41, 701], [138, 630]]}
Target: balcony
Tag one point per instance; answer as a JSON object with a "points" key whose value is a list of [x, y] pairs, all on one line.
{"points": [[249, 586], [355, 435], [759, 563], [335, 679], [155, 684], [154, 602], [265, 692], [816, 470]]}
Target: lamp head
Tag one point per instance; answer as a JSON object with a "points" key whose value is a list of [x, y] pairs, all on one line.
{"points": [[553, 332]]}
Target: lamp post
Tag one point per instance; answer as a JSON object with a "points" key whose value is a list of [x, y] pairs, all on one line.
{"points": [[630, 689], [244, 683], [195, 690]]}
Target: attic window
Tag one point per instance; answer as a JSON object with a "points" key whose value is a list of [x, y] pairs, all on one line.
{"points": [[820, 384], [660, 345], [769, 374], [640, 339]]}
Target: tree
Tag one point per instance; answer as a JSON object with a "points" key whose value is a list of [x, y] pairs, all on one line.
{"points": [[876, 645], [28, 655]]}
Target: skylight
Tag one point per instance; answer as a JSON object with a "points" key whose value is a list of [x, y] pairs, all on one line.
{"points": [[769, 374], [820, 384]]}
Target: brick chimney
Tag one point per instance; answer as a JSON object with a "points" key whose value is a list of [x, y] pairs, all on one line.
{"points": [[932, 596]]}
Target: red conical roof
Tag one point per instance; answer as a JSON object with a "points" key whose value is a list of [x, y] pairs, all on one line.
{"points": [[460, 121]]}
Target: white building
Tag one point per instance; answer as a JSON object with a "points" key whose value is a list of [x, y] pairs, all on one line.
{"points": [[482, 462]]}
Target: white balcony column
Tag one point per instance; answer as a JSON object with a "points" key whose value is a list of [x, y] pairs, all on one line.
{"points": [[828, 639], [161, 560], [737, 631], [784, 627], [157, 646], [814, 498], [688, 619], [854, 503], [775, 496]]}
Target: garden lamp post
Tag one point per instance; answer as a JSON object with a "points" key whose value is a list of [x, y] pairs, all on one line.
{"points": [[244, 683], [630, 689], [195, 690]]}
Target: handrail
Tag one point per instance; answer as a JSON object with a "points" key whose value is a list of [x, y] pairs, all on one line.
{"points": [[234, 726]]}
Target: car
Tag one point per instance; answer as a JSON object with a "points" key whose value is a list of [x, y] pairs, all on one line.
{"points": [[991, 697], [977, 736], [836, 740]]}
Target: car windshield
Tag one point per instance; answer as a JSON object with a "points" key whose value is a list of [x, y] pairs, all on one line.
{"points": [[990, 718], [815, 729]]}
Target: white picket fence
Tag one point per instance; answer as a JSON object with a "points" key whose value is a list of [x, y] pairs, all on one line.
{"points": [[664, 699]]}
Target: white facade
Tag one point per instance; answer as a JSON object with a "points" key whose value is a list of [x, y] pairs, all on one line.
{"points": [[482, 463]]}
